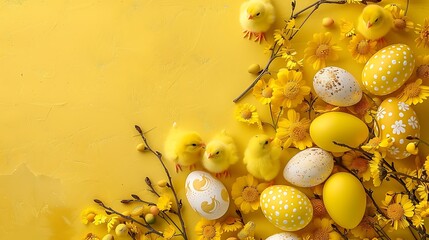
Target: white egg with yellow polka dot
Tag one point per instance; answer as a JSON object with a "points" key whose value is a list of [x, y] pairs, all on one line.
{"points": [[286, 207], [388, 69]]}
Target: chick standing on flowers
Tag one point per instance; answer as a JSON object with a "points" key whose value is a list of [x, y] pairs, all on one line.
{"points": [[220, 153], [374, 22], [184, 148], [262, 157], [256, 17]]}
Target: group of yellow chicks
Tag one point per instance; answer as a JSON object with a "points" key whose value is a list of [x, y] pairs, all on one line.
{"points": [[186, 149], [257, 16]]}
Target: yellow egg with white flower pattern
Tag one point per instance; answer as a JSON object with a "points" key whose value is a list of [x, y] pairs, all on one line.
{"points": [[388, 69], [397, 120], [286, 207]]}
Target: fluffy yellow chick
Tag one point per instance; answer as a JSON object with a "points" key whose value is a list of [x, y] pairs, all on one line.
{"points": [[220, 153], [256, 17], [183, 148], [374, 22], [262, 158]]}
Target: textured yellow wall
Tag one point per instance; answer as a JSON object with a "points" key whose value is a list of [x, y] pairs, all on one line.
{"points": [[75, 76]]}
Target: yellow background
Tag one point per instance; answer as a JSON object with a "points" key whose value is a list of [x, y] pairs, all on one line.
{"points": [[77, 75]]}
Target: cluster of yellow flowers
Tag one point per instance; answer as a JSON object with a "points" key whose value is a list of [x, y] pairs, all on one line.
{"points": [[292, 107]]}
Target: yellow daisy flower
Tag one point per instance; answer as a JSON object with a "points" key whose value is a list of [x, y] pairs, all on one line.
{"points": [[100, 219], [379, 145], [290, 89], [423, 32], [414, 93], [347, 29], [322, 229], [164, 203], [398, 208], [422, 67], [362, 49], [263, 90], [418, 221], [400, 21], [365, 229], [169, 232], [112, 221], [292, 130], [208, 230], [88, 215], [293, 64], [279, 36], [422, 209], [247, 113], [378, 173], [231, 224], [422, 192], [246, 192], [320, 49], [355, 160]]}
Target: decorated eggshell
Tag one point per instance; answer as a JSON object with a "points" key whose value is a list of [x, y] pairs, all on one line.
{"points": [[206, 195], [338, 127], [336, 86], [388, 69], [309, 167], [397, 120], [283, 236], [344, 199], [286, 207]]}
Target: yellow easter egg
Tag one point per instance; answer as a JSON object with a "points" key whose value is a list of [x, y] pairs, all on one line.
{"points": [[345, 200], [338, 127], [397, 120], [388, 69], [286, 207]]}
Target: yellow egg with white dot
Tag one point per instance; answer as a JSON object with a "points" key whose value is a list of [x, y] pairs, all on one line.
{"points": [[286, 207], [388, 69], [398, 121]]}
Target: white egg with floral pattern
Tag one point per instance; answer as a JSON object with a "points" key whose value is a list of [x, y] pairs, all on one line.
{"points": [[398, 121]]}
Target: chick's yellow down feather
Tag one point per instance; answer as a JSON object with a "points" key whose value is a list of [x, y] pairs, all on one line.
{"points": [[184, 148], [256, 17], [374, 22], [262, 157], [220, 153]]}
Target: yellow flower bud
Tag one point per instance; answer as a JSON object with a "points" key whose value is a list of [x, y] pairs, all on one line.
{"points": [[137, 211], [162, 183], [254, 69], [150, 218], [121, 229], [108, 237], [327, 22], [141, 147], [412, 148]]}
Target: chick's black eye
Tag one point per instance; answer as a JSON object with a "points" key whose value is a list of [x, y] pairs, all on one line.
{"points": [[376, 20], [266, 142], [258, 14], [217, 152], [194, 144]]}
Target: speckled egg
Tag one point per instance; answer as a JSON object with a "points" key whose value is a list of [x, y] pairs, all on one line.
{"points": [[397, 120], [283, 236], [286, 207], [309, 167], [336, 86], [388, 69], [206, 195]]}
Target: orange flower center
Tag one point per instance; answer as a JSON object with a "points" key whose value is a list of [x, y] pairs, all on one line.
{"points": [[395, 211], [267, 92], [246, 114], [322, 51], [298, 131], [423, 71], [360, 164], [90, 217], [250, 194], [291, 90], [321, 234], [362, 47], [319, 209], [209, 231], [229, 220], [399, 23], [424, 34]]}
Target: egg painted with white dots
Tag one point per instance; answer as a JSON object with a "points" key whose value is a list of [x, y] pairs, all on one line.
{"points": [[286, 207], [388, 69], [309, 168], [396, 120], [283, 236]]}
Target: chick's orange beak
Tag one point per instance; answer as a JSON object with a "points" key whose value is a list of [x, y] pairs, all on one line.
{"points": [[250, 17], [369, 25], [210, 155], [270, 139]]}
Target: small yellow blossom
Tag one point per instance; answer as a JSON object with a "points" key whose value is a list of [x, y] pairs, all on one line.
{"points": [[355, 160], [422, 209], [100, 219], [208, 230], [112, 221], [290, 89], [398, 208], [279, 36], [378, 173], [422, 192], [164, 203], [362, 49], [263, 90], [320, 50], [293, 130], [231, 224], [401, 22], [412, 148], [88, 214], [322, 229], [418, 221], [379, 145], [422, 67], [293, 64], [423, 32], [347, 29], [169, 232], [246, 192], [414, 93], [247, 113]]}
